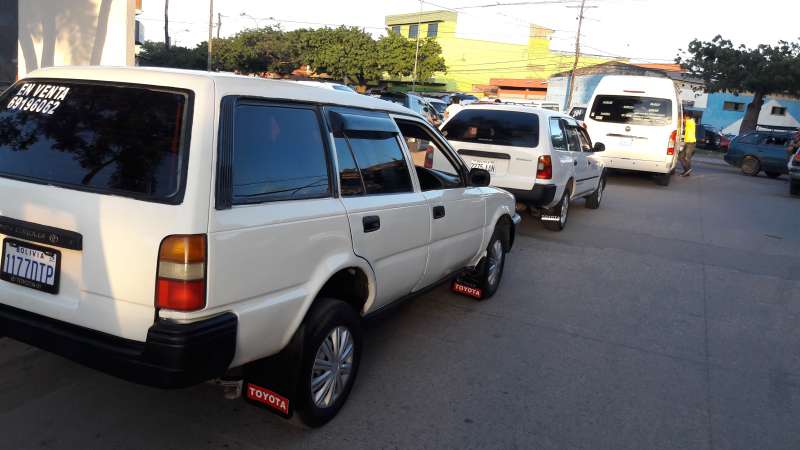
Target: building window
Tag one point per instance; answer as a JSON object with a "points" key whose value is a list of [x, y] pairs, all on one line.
{"points": [[733, 106], [396, 29], [778, 111], [413, 31], [433, 30]]}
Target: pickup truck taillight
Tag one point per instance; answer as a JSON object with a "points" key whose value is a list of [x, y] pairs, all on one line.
{"points": [[181, 282], [673, 139], [544, 169]]}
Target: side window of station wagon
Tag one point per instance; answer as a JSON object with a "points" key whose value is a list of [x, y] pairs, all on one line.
{"points": [[371, 163], [278, 154]]}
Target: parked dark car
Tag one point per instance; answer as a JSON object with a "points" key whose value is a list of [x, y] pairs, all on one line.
{"points": [[711, 138], [760, 151]]}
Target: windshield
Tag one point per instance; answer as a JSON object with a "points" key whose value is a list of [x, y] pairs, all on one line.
{"points": [[112, 139], [632, 110], [496, 127]]}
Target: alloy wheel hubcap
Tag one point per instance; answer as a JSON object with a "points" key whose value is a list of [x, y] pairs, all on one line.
{"points": [[495, 262], [333, 365]]}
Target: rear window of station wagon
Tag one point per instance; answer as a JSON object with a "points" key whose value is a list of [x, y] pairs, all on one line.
{"points": [[124, 140], [278, 154], [632, 110], [495, 127]]}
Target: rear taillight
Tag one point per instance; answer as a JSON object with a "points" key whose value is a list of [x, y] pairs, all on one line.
{"points": [[797, 157], [429, 158], [181, 282], [544, 169], [673, 139]]}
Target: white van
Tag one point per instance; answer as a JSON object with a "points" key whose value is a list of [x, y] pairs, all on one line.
{"points": [[639, 121]]}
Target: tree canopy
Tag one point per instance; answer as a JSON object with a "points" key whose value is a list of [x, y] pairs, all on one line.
{"points": [[762, 71], [346, 53]]}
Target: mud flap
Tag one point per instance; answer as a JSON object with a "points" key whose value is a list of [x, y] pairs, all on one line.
{"points": [[466, 283], [271, 383]]}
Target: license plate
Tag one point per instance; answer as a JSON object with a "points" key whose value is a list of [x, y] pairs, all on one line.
{"points": [[485, 165], [30, 265]]}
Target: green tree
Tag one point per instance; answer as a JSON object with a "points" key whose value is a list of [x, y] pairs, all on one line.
{"points": [[256, 51], [762, 71], [396, 56], [344, 53], [157, 54]]}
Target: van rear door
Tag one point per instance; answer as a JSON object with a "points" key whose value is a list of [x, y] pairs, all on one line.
{"points": [[92, 178], [633, 127]]}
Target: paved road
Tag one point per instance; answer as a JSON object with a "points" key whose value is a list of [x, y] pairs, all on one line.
{"points": [[667, 319]]}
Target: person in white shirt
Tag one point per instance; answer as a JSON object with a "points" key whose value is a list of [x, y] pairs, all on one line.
{"points": [[455, 107]]}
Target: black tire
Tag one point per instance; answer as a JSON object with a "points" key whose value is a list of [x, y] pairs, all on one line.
{"points": [[559, 225], [773, 175], [751, 166], [593, 201], [663, 179], [794, 187], [487, 283], [323, 318]]}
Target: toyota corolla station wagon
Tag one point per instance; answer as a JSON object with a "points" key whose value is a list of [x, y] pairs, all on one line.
{"points": [[171, 227]]}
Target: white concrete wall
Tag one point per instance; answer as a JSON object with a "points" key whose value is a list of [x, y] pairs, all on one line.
{"points": [[75, 32]]}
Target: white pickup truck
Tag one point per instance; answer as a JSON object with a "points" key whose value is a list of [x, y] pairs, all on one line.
{"points": [[171, 227]]}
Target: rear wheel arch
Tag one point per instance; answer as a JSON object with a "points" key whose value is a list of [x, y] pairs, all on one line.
{"points": [[351, 285]]}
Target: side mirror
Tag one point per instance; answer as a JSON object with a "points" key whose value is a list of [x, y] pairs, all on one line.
{"points": [[599, 147], [479, 177]]}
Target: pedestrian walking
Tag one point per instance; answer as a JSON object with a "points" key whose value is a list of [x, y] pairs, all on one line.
{"points": [[455, 107], [689, 144]]}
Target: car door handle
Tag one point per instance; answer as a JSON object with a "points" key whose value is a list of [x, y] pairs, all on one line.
{"points": [[371, 223], [438, 212], [575, 163]]}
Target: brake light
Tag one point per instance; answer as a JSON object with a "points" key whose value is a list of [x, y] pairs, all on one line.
{"points": [[181, 284], [544, 169], [797, 156], [429, 158], [673, 139]]}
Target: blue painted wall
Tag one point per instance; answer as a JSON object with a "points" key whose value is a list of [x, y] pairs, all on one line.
{"points": [[715, 114]]}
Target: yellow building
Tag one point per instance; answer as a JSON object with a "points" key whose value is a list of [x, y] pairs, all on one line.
{"points": [[487, 66]]}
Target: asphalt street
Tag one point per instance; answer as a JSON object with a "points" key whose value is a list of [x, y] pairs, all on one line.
{"points": [[668, 319]]}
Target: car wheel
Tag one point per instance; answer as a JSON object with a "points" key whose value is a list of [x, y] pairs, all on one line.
{"points": [[492, 265], [751, 166], [794, 187], [773, 175], [593, 201], [562, 212], [663, 179], [331, 357]]}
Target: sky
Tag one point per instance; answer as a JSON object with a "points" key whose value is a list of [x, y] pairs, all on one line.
{"points": [[651, 30]]}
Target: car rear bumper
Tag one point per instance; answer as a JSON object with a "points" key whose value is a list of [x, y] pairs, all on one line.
{"points": [[174, 355], [541, 195], [638, 165]]}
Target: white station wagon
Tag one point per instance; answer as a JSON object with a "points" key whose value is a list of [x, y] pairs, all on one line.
{"points": [[171, 227]]}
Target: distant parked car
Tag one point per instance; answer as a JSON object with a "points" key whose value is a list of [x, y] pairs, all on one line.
{"points": [[794, 174], [760, 151], [439, 105], [711, 138]]}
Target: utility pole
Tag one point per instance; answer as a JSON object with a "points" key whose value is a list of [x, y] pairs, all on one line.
{"points": [[219, 23], [568, 102], [166, 23], [416, 55], [210, 32]]}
